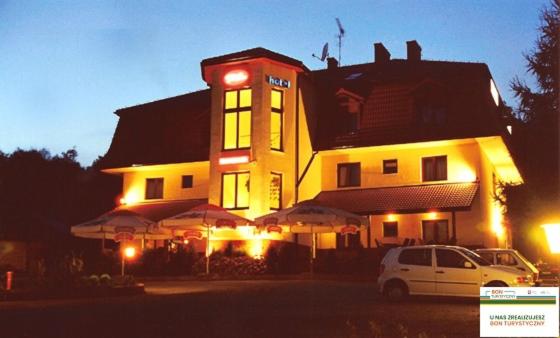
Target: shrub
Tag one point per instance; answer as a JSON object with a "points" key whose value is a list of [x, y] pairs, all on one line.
{"points": [[232, 266]]}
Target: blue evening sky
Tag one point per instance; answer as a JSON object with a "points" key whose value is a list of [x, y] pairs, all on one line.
{"points": [[66, 66]]}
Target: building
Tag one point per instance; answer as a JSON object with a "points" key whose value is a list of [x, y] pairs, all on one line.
{"points": [[417, 145]]}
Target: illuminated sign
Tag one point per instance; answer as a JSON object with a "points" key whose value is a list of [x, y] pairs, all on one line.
{"points": [[234, 157], [236, 77], [234, 160], [276, 81]]}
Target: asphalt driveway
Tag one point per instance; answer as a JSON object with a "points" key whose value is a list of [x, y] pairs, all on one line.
{"points": [[300, 308]]}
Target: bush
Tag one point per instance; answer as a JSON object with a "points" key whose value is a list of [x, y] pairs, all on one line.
{"points": [[231, 266]]}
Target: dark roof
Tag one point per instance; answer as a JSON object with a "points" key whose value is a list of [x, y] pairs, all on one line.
{"points": [[253, 53], [156, 211], [172, 130], [406, 199], [177, 129], [391, 116]]}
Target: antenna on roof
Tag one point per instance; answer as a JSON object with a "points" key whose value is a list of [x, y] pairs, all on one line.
{"points": [[340, 35], [324, 53]]}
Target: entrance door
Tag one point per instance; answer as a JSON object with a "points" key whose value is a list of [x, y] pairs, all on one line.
{"points": [[435, 232]]}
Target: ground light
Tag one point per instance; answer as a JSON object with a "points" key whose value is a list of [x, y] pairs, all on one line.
{"points": [[128, 253], [552, 231]]}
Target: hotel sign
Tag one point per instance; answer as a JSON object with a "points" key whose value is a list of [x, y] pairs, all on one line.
{"points": [[278, 82]]}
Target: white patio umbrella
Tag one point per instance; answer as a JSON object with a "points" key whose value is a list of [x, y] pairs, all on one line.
{"points": [[197, 222], [120, 225], [309, 217]]}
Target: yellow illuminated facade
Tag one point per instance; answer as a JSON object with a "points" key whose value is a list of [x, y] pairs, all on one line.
{"points": [[264, 118]]}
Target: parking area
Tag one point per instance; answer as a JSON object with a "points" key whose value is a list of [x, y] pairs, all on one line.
{"points": [[294, 308]]}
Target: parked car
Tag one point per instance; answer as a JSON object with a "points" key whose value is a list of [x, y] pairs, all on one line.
{"points": [[549, 274], [442, 270], [511, 258]]}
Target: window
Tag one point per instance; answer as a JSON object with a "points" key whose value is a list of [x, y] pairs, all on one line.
{"points": [[434, 168], [276, 119], [416, 257], [154, 188], [451, 259], [390, 229], [505, 259], [275, 191], [390, 166], [237, 119], [348, 241], [348, 175], [187, 181], [487, 256], [353, 122], [435, 231], [235, 190]]}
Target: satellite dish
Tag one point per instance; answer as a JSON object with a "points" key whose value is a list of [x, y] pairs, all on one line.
{"points": [[325, 52]]}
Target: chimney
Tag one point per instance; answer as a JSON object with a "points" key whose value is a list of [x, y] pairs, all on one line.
{"points": [[413, 51], [332, 63], [381, 53]]}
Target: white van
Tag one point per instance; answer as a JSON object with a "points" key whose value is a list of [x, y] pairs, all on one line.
{"points": [[442, 270]]}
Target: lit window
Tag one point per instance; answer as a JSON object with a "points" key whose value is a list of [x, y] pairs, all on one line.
{"points": [[237, 119], [235, 190], [390, 166], [276, 119], [154, 188], [348, 175], [434, 168], [187, 181], [390, 229], [275, 191]]}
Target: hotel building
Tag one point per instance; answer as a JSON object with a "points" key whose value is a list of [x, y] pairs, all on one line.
{"points": [[418, 146]]}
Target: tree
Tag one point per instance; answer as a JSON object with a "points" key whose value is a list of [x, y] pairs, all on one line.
{"points": [[537, 111], [535, 137]]}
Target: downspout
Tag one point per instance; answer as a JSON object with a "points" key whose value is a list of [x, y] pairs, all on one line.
{"points": [[296, 192]]}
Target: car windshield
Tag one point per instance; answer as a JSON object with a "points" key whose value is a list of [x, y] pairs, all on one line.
{"points": [[479, 260]]}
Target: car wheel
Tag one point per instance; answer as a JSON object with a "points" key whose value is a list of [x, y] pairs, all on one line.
{"points": [[395, 291], [496, 284]]}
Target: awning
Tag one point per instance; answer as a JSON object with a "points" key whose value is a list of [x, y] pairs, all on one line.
{"points": [[157, 211], [406, 199]]}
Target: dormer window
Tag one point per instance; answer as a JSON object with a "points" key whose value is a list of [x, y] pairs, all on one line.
{"points": [[350, 106]]}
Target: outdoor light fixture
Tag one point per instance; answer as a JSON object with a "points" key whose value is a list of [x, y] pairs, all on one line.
{"points": [[128, 252], [552, 232], [432, 215], [236, 77]]}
